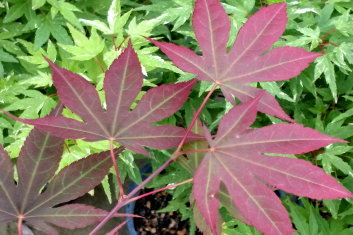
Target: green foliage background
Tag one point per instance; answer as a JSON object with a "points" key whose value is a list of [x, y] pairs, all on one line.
{"points": [[85, 36]]}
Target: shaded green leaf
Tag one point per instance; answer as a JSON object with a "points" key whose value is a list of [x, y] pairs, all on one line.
{"points": [[42, 35], [15, 11], [37, 4], [6, 57], [85, 48], [325, 66]]}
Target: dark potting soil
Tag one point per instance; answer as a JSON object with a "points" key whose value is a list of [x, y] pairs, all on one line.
{"points": [[166, 223]]}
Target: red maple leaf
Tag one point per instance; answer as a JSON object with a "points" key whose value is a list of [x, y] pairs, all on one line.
{"points": [[36, 202], [237, 159], [133, 129], [250, 60]]}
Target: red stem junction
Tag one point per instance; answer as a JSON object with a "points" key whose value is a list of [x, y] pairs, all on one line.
{"points": [[116, 168], [174, 156], [19, 224]]}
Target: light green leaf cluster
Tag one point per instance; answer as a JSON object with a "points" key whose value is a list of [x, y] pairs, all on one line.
{"points": [[116, 21], [331, 160], [84, 48], [308, 220]]}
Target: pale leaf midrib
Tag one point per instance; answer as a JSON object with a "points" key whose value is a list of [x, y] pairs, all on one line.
{"points": [[191, 62], [267, 142], [65, 215], [209, 21], [120, 93], [63, 189], [33, 173], [133, 123], [265, 68], [84, 105], [9, 198], [247, 94], [149, 137], [250, 45], [276, 170], [8, 213], [71, 128], [219, 159], [231, 128], [209, 172]]}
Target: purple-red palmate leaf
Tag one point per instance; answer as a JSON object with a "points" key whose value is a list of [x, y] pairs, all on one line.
{"points": [[34, 199], [248, 61], [133, 129], [237, 159], [190, 163]]}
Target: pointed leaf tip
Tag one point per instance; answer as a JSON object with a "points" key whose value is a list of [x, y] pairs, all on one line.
{"points": [[51, 63], [41, 154], [122, 84], [129, 44], [237, 160], [46, 58], [246, 61]]}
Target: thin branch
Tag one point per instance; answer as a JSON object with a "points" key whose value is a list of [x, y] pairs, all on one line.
{"points": [[170, 186], [120, 45], [113, 40], [196, 115], [328, 33], [122, 202], [67, 147], [328, 43]]}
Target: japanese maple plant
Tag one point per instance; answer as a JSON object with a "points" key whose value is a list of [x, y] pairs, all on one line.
{"points": [[238, 161]]}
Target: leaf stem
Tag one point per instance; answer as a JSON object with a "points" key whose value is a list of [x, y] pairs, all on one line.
{"points": [[116, 168], [328, 33], [117, 228], [67, 147], [329, 43], [194, 119], [19, 224], [158, 190], [121, 44], [99, 63], [121, 202], [174, 156], [113, 40]]}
